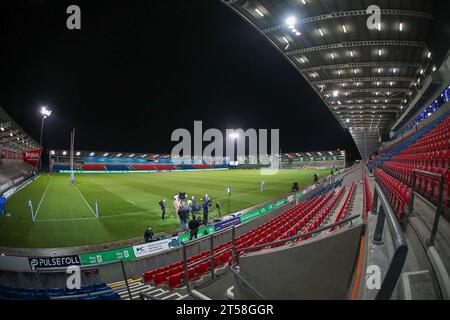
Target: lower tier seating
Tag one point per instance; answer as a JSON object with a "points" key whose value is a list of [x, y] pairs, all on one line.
{"points": [[397, 192], [344, 209], [303, 218], [368, 196], [98, 291], [428, 186], [117, 168]]}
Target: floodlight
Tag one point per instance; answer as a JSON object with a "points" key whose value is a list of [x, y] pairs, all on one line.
{"points": [[46, 112], [335, 93], [291, 21]]}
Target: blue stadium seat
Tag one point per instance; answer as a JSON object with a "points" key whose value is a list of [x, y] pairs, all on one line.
{"points": [[96, 297], [117, 168], [86, 289], [109, 296], [100, 287], [71, 292]]}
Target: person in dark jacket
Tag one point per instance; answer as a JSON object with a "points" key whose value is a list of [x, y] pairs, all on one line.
{"points": [[193, 206], [205, 212], [183, 213], [194, 224], [163, 205], [148, 235]]}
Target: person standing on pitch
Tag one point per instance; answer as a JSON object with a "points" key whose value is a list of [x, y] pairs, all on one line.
{"points": [[183, 213], [163, 205], [262, 186], [205, 213]]}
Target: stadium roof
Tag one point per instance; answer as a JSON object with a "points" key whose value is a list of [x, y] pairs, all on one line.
{"points": [[365, 77], [12, 137]]}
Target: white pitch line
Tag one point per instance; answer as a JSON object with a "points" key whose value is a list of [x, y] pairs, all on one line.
{"points": [[134, 204], [92, 210], [103, 217], [42, 198]]}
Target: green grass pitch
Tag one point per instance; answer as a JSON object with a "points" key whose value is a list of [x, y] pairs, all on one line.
{"points": [[128, 203]]}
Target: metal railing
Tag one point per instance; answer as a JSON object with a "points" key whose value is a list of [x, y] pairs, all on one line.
{"points": [[235, 252], [385, 212], [439, 206]]}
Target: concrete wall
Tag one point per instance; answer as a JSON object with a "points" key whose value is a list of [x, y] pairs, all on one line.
{"points": [[319, 268]]}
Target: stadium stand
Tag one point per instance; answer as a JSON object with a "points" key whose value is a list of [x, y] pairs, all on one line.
{"points": [[397, 192], [304, 218], [430, 153], [408, 142], [117, 168], [13, 172], [368, 196], [94, 167]]}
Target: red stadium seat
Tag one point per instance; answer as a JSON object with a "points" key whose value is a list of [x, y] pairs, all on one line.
{"points": [[174, 281]]}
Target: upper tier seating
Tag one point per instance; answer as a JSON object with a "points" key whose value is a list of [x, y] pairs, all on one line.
{"points": [[416, 141], [305, 217], [440, 159], [397, 192], [98, 291]]}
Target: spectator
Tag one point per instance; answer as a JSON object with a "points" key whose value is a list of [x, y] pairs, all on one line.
{"points": [[194, 224], [163, 205]]}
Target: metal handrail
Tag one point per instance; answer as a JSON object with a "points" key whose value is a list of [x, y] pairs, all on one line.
{"points": [[303, 235], [236, 252], [385, 212], [439, 207]]}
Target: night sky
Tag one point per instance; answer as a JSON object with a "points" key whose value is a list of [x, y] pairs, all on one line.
{"points": [[140, 69]]}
